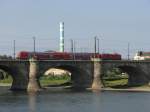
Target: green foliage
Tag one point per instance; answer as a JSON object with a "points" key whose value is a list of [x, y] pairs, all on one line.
{"points": [[116, 83], [54, 80], [7, 80], [115, 74], [114, 78], [3, 57]]}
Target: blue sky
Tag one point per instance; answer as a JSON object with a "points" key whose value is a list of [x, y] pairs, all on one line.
{"points": [[115, 22]]}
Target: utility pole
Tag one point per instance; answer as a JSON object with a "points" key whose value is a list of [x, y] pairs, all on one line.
{"points": [[128, 51], [74, 46], [14, 46], [34, 44], [71, 45], [72, 49], [95, 46], [98, 45]]}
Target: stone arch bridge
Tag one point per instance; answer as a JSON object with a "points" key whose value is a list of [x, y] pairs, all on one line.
{"points": [[84, 74]]}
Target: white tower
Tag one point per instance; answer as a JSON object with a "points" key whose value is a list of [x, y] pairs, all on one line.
{"points": [[61, 44]]}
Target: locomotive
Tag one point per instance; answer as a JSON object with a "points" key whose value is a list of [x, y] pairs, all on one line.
{"points": [[25, 55]]}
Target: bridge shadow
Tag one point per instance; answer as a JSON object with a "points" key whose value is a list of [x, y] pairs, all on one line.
{"points": [[16, 78], [77, 79], [137, 77], [124, 77], [6, 76]]}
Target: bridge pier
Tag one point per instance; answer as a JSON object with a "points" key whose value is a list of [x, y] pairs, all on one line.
{"points": [[33, 84], [97, 84], [19, 83]]}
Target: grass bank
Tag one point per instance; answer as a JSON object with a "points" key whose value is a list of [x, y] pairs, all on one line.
{"points": [[54, 80], [7, 80], [116, 83], [44, 81]]}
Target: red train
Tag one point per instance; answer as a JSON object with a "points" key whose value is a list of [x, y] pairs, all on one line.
{"points": [[24, 55]]}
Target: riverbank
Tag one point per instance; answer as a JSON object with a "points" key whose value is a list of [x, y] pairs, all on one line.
{"points": [[114, 85], [127, 89], [130, 89], [5, 84]]}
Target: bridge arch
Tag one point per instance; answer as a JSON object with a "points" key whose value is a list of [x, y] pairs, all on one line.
{"points": [[136, 74], [7, 70], [10, 72], [18, 73], [79, 76]]}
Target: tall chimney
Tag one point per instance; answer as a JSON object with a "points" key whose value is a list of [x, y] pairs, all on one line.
{"points": [[61, 44]]}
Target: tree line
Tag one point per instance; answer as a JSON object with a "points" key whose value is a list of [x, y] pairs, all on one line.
{"points": [[3, 57]]}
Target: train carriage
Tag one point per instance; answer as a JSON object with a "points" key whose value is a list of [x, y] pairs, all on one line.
{"points": [[66, 56]]}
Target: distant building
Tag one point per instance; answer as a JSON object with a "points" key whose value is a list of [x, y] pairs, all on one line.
{"points": [[57, 72]]}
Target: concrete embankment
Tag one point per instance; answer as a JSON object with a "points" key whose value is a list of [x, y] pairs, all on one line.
{"points": [[131, 89]]}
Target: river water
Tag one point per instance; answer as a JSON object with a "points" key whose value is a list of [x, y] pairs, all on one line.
{"points": [[65, 100]]}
